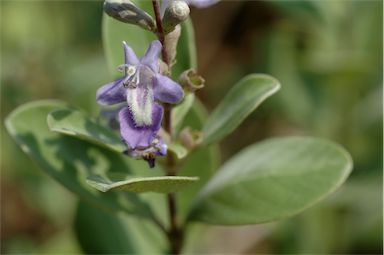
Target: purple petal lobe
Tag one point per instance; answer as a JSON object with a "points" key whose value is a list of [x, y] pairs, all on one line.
{"points": [[130, 56], [139, 137], [166, 90], [111, 93], [201, 3], [161, 147], [163, 7], [151, 57]]}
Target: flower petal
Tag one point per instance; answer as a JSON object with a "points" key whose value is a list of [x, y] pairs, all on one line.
{"points": [[139, 136], [151, 57], [111, 93], [130, 56], [161, 147], [201, 3], [166, 90], [163, 7]]}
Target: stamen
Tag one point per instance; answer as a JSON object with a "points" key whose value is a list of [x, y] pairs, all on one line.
{"points": [[131, 70], [133, 75]]}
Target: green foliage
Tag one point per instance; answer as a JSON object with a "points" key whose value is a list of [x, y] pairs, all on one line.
{"points": [[298, 9], [186, 49], [202, 162], [75, 123], [181, 110], [240, 101], [267, 181], [70, 161], [272, 180], [160, 184], [179, 150], [100, 232]]}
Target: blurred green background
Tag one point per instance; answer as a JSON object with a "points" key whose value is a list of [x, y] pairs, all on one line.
{"points": [[326, 54]]}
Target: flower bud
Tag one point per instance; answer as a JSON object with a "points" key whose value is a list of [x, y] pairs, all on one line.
{"points": [[126, 11], [171, 40], [190, 80], [176, 12]]}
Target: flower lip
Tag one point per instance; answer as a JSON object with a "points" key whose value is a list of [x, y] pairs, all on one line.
{"points": [[149, 154]]}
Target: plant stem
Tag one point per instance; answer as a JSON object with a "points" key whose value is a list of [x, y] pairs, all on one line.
{"points": [[160, 31], [175, 233]]}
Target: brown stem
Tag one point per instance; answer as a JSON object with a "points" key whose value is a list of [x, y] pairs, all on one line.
{"points": [[160, 30], [175, 233]]}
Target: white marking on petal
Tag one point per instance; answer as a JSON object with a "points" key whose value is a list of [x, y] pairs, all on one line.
{"points": [[142, 113], [147, 115]]}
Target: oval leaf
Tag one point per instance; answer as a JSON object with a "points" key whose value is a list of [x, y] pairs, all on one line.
{"points": [[240, 101], [159, 184], [70, 161], [271, 180], [75, 123]]}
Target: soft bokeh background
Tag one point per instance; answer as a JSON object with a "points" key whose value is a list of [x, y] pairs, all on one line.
{"points": [[327, 55]]}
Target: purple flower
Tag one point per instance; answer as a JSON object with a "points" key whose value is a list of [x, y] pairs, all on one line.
{"points": [[140, 87]]}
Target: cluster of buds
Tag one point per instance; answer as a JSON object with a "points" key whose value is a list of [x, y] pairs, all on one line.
{"points": [[143, 86]]}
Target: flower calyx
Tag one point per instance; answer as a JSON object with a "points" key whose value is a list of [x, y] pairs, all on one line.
{"points": [[191, 80], [190, 139]]}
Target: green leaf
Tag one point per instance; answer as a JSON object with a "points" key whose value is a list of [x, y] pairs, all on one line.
{"points": [[99, 232], [179, 150], [308, 11], [272, 180], [186, 49], [202, 162], [70, 161], [240, 101], [181, 110], [159, 184], [75, 123]]}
